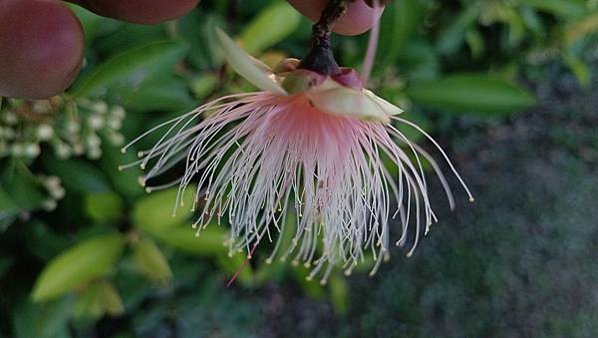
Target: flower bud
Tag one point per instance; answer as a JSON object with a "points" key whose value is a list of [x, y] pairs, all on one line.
{"points": [[45, 132], [95, 122], [99, 107], [117, 112], [32, 150]]}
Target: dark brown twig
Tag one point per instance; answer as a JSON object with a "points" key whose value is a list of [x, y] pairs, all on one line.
{"points": [[320, 58]]}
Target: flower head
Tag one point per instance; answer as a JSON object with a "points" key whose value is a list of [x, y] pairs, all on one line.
{"points": [[308, 145]]}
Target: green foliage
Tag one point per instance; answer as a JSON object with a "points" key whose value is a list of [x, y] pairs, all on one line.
{"points": [[103, 207], [273, 25], [62, 275], [156, 213], [136, 78], [152, 262], [77, 266], [471, 93], [98, 299]]}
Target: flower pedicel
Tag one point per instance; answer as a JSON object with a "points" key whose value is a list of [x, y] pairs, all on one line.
{"points": [[312, 142]]}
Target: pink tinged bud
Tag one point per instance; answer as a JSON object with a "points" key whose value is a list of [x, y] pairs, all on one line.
{"points": [[349, 78]]}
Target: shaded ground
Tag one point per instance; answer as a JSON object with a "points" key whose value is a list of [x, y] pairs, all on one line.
{"points": [[520, 262]]}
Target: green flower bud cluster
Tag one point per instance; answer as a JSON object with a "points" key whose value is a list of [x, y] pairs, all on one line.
{"points": [[70, 127]]}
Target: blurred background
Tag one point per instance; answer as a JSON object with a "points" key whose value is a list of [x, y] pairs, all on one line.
{"points": [[508, 87]]}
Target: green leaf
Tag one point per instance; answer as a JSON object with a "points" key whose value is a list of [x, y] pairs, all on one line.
{"points": [[98, 299], [8, 207], [168, 94], [397, 26], [233, 265], [111, 300], [43, 241], [453, 36], [89, 303], [78, 265], [103, 207], [90, 22], [154, 213], [131, 70], [274, 23], [480, 94], [339, 293], [5, 265], [48, 320], [581, 28], [204, 85], [124, 181], [568, 9], [313, 288], [580, 69], [420, 60], [197, 30], [151, 261], [20, 190], [210, 241], [475, 41], [78, 175]]}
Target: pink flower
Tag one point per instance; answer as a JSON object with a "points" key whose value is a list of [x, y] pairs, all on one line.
{"points": [[306, 145]]}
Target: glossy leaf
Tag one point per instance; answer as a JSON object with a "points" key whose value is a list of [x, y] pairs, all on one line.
{"points": [[236, 264], [581, 28], [110, 299], [398, 25], [154, 213], [580, 69], [19, 191], [452, 37], [5, 265], [88, 303], [132, 69], [8, 207], [339, 293], [209, 242], [565, 8], [274, 23], [78, 265], [204, 85], [123, 181], [151, 261], [98, 299], [168, 94], [77, 175], [102, 207], [48, 320], [90, 22], [471, 93]]}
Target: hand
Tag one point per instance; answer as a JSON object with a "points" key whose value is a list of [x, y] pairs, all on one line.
{"points": [[42, 41]]}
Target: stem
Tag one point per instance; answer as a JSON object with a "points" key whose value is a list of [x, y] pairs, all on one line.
{"points": [[370, 55], [320, 58]]}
